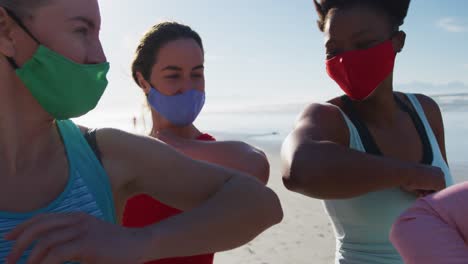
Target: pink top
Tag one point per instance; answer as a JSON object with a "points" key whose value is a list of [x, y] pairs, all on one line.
{"points": [[435, 229]]}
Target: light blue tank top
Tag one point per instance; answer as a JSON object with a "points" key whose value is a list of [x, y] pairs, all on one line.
{"points": [[362, 224], [87, 190]]}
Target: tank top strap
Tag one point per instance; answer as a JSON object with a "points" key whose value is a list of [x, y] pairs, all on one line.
{"points": [[438, 158], [89, 168], [420, 111], [355, 141]]}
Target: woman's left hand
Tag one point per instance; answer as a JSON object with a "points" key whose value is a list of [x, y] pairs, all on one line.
{"points": [[77, 237]]}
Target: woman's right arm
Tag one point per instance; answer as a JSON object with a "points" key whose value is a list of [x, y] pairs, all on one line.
{"points": [[317, 161], [224, 209]]}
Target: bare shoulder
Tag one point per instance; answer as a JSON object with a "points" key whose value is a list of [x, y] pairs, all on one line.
{"points": [[323, 122], [429, 105], [112, 139], [324, 113], [432, 111]]}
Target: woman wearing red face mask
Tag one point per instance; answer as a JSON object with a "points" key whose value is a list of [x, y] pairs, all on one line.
{"points": [[371, 152]]}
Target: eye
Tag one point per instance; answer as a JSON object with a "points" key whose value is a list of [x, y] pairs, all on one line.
{"points": [[365, 44], [82, 30], [172, 77], [197, 75]]}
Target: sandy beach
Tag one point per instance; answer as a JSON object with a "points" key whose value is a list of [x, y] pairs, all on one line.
{"points": [[305, 236]]}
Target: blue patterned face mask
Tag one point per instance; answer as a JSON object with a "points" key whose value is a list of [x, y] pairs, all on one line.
{"points": [[181, 109]]}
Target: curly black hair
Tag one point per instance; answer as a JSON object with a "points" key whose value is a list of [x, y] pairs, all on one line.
{"points": [[395, 9]]}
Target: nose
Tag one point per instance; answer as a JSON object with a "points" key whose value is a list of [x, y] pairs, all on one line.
{"points": [[187, 85], [96, 53]]}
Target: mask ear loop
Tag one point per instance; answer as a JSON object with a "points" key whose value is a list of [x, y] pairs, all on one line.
{"points": [[20, 23], [22, 26], [12, 62]]}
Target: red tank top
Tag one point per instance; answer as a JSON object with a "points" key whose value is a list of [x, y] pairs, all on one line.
{"points": [[142, 210]]}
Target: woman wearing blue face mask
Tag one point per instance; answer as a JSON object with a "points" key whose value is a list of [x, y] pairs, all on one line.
{"points": [[59, 201], [169, 68]]}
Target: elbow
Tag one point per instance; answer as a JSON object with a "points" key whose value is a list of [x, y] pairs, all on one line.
{"points": [[259, 167], [313, 188], [275, 213], [262, 170], [292, 165], [301, 174], [292, 180]]}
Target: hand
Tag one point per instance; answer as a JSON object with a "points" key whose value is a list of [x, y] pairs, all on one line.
{"points": [[425, 181], [76, 237]]}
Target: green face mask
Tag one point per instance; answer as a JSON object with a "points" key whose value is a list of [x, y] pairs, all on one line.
{"points": [[65, 89]]}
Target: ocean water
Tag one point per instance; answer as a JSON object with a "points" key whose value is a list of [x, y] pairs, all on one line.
{"points": [[271, 123]]}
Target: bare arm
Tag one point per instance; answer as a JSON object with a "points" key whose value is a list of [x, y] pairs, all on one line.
{"points": [[317, 161], [225, 208], [231, 154]]}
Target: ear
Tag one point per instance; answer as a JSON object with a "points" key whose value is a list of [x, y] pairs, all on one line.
{"points": [[399, 40], [144, 84], [7, 47]]}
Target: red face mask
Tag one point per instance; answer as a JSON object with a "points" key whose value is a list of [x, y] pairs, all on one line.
{"points": [[360, 72]]}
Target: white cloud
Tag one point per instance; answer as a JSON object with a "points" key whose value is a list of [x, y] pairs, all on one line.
{"points": [[452, 24]]}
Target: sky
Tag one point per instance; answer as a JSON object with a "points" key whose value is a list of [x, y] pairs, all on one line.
{"points": [[271, 51]]}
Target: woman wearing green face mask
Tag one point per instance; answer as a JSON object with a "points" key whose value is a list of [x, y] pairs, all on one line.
{"points": [[54, 190]]}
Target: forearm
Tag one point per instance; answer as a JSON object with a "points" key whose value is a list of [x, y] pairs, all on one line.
{"points": [[330, 171], [228, 220]]}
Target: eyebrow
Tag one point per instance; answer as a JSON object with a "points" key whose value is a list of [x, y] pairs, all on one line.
{"points": [[353, 36], [176, 68], [85, 20]]}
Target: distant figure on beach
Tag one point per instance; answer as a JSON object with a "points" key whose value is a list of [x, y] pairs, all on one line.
{"points": [[63, 187], [372, 152], [169, 69], [435, 229], [134, 119]]}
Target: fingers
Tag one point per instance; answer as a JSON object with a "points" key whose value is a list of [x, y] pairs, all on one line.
{"points": [[48, 244], [33, 229], [20, 228]]}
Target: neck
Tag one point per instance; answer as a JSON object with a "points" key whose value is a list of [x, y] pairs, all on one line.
{"points": [[26, 130], [162, 124], [380, 108]]}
